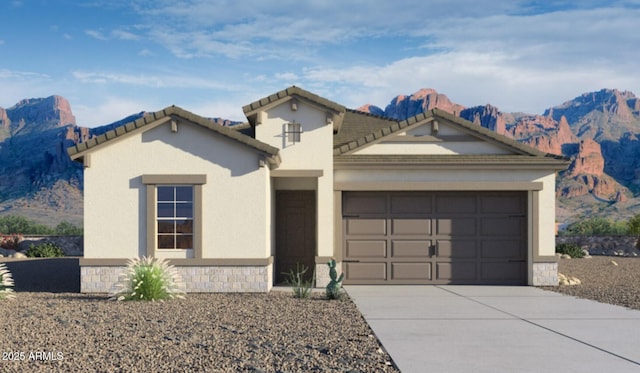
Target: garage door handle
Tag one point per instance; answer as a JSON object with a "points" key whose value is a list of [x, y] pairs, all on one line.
{"points": [[350, 216], [350, 261]]}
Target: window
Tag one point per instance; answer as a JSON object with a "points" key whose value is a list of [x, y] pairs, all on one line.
{"points": [[293, 132], [175, 216]]}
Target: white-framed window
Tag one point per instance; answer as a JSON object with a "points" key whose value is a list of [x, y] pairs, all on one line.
{"points": [[293, 132], [174, 216]]}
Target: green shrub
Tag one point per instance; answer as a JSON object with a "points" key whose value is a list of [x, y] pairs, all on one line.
{"points": [[596, 227], [6, 283], [149, 279], [295, 278], [19, 224], [44, 250], [633, 225], [570, 249]]}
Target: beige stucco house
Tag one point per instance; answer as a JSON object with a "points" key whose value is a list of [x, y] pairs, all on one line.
{"points": [[430, 200]]}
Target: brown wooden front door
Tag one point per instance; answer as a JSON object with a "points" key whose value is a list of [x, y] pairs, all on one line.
{"points": [[295, 231]]}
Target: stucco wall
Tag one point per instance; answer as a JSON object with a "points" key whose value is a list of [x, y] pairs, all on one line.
{"points": [[235, 196], [313, 152], [455, 142]]}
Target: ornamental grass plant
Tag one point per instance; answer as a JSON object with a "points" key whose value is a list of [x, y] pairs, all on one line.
{"points": [[6, 283], [149, 279]]}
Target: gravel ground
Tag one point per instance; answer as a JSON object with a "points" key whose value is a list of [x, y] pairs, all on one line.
{"points": [[602, 280], [204, 332]]}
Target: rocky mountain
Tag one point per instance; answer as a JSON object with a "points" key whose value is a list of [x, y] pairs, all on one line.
{"points": [[598, 131]]}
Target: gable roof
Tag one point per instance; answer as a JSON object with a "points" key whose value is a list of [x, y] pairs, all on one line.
{"points": [[377, 131], [152, 119], [357, 125], [251, 111]]}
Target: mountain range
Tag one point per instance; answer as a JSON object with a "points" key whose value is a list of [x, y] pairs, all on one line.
{"points": [[599, 132]]}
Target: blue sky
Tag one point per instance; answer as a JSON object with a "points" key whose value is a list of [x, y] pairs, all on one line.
{"points": [[112, 58]]}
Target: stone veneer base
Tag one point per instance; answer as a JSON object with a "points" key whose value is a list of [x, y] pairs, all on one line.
{"points": [[545, 274], [208, 279]]}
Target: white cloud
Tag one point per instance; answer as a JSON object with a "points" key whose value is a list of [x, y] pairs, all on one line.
{"points": [[96, 34], [109, 110], [154, 81], [124, 35]]}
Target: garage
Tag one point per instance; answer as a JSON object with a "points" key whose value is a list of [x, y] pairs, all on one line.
{"points": [[434, 237]]}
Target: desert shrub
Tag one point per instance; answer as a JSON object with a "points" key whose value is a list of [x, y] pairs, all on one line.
{"points": [[19, 224], [11, 241], [6, 283], [570, 249], [67, 229], [299, 284], [44, 250], [633, 225], [596, 227], [149, 279]]}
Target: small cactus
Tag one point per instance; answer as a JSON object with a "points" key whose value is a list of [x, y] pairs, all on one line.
{"points": [[333, 288]]}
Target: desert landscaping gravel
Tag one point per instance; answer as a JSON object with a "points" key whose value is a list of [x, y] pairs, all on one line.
{"points": [[271, 332], [606, 279], [45, 332]]}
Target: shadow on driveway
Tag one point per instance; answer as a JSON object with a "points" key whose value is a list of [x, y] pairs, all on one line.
{"points": [[52, 275]]}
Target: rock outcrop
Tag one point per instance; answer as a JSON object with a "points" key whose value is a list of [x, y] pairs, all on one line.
{"points": [[403, 107], [487, 116], [543, 133]]}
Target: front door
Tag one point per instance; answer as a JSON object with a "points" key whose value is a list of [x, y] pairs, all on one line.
{"points": [[295, 231]]}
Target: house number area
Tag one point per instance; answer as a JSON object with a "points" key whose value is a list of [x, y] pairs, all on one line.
{"points": [[32, 356]]}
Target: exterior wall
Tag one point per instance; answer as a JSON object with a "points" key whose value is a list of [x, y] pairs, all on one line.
{"points": [[199, 279], [237, 187], [313, 152], [543, 236]]}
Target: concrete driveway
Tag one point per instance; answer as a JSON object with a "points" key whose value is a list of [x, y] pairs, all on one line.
{"points": [[498, 329]]}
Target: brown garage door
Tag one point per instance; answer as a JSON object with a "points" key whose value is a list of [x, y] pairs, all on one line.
{"points": [[434, 237]]}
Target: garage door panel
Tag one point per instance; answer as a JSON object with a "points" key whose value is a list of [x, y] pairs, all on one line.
{"points": [[505, 249], [435, 237], [503, 227], [459, 271], [456, 204], [411, 226], [456, 226], [366, 249], [411, 204], [502, 204], [366, 227], [457, 249], [366, 271], [365, 203], [410, 271], [410, 249], [497, 272]]}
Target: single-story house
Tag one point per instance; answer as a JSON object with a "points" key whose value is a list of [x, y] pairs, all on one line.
{"points": [[433, 199]]}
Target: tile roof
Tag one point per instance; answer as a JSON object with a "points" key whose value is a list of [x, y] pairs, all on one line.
{"points": [[124, 130], [363, 129], [357, 124], [292, 92]]}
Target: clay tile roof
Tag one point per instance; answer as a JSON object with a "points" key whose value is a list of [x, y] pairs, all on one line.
{"points": [[293, 91], [126, 129]]}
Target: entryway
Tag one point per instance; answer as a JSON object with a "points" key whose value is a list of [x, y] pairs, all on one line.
{"points": [[295, 231]]}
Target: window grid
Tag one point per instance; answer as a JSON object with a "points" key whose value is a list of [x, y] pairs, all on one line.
{"points": [[175, 217]]}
